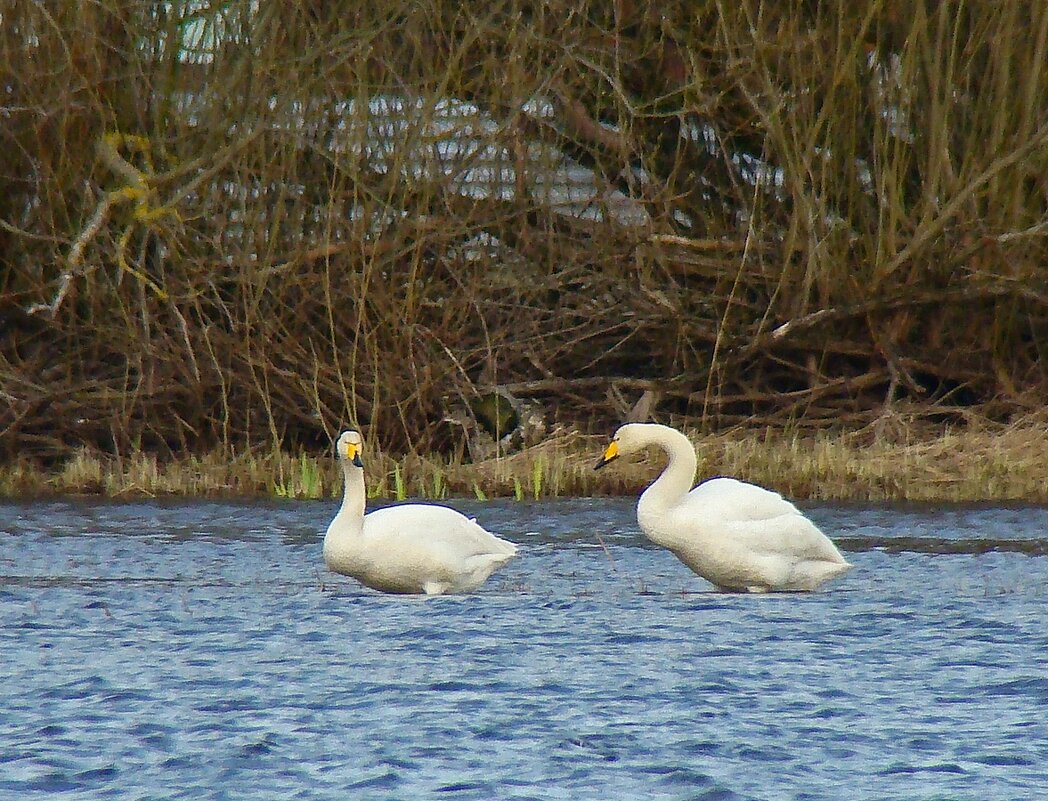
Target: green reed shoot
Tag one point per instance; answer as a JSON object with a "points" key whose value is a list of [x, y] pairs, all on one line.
{"points": [[309, 477], [399, 489], [440, 487], [537, 471]]}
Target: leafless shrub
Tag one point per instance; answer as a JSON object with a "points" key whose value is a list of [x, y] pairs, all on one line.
{"points": [[238, 223]]}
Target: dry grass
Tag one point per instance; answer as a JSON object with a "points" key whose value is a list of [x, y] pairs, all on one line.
{"points": [[953, 467], [987, 465]]}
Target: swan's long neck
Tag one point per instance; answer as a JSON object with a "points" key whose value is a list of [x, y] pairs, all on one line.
{"points": [[676, 480], [352, 509], [343, 537]]}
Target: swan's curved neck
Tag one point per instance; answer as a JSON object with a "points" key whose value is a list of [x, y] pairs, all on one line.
{"points": [[678, 477]]}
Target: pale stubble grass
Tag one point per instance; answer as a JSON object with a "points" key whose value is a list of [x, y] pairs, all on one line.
{"points": [[1002, 464]]}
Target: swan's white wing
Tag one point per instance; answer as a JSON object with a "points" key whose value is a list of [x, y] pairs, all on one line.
{"points": [[793, 536], [730, 499], [755, 519], [432, 532]]}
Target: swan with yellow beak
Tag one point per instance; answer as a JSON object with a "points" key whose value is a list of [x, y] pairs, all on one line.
{"points": [[737, 536], [407, 548]]}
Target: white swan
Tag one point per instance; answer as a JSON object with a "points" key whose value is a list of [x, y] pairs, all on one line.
{"points": [[410, 548], [737, 536]]}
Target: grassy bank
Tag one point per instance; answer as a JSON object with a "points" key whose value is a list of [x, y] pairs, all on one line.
{"points": [[986, 464]]}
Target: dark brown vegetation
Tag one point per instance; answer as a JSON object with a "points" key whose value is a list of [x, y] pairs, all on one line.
{"points": [[222, 226]]}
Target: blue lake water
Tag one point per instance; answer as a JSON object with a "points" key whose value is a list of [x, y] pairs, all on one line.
{"points": [[200, 651]]}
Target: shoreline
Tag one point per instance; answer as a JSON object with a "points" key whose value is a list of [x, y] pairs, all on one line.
{"points": [[1000, 465]]}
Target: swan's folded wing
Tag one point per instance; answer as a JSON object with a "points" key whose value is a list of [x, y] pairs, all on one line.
{"points": [[790, 536], [436, 531], [730, 499], [467, 539]]}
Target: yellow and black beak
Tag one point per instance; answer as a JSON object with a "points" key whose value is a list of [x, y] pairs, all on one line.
{"points": [[611, 453], [351, 453]]}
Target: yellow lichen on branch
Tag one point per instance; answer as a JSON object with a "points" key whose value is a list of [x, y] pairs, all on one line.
{"points": [[140, 190]]}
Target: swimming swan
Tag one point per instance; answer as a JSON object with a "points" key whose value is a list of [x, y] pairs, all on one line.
{"points": [[737, 536], [411, 548]]}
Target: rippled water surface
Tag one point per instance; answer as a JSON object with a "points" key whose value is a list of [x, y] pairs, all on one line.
{"points": [[200, 651]]}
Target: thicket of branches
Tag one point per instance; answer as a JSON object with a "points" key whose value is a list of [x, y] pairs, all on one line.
{"points": [[239, 222]]}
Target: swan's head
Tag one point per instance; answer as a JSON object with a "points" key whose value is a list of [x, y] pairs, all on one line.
{"points": [[349, 446], [628, 439]]}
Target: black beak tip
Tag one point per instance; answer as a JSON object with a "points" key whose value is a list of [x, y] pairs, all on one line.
{"points": [[357, 461], [599, 464]]}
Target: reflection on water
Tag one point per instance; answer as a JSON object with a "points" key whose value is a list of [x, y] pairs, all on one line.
{"points": [[174, 650]]}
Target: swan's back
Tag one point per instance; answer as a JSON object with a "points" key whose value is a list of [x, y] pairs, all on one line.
{"points": [[730, 499], [435, 528]]}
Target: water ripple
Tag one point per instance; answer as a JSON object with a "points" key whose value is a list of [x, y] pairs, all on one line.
{"points": [[172, 650]]}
